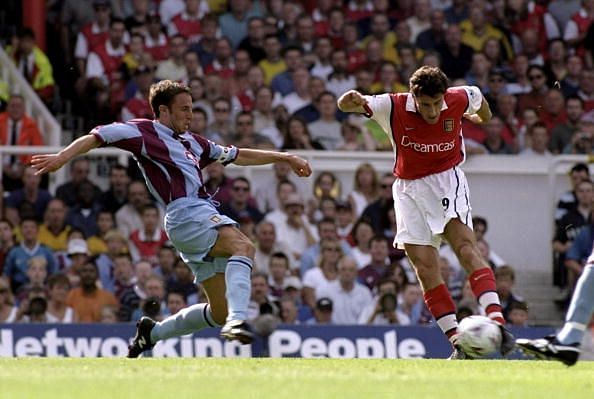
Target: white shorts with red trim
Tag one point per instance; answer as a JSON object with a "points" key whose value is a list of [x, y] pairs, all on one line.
{"points": [[424, 206]]}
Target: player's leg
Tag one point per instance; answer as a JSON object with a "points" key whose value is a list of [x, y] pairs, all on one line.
{"points": [[480, 275], [565, 346], [232, 243], [425, 260], [188, 320]]}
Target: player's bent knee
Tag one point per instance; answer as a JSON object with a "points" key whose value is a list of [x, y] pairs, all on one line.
{"points": [[244, 247]]}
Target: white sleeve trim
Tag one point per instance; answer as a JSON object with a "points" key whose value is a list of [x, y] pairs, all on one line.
{"points": [[475, 99]]}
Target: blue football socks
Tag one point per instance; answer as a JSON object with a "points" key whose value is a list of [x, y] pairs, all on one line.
{"points": [[580, 309], [186, 321], [238, 281]]}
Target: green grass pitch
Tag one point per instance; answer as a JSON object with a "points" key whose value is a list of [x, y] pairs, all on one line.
{"points": [[291, 378]]}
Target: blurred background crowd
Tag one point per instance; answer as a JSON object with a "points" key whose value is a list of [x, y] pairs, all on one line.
{"points": [[266, 74]]}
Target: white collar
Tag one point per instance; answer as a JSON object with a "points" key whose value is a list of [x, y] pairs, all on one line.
{"points": [[411, 107], [114, 52]]}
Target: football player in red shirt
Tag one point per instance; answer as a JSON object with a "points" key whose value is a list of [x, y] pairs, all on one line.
{"points": [[431, 197]]}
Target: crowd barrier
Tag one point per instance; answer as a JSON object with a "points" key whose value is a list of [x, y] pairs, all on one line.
{"points": [[111, 340]]}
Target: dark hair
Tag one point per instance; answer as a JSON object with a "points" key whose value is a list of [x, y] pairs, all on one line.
{"points": [[58, 278], [288, 48], [163, 93], [536, 125], [149, 207], [116, 20], [177, 292], [243, 179], [480, 220], [428, 81], [580, 167], [280, 255], [574, 97]]}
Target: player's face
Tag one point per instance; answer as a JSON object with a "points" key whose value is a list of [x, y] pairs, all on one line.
{"points": [[429, 107], [180, 113]]}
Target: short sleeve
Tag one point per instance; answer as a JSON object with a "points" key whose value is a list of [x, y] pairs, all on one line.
{"points": [[475, 99], [381, 107], [215, 152], [121, 135]]}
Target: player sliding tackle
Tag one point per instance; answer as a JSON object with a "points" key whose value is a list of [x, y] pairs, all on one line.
{"points": [[431, 197], [171, 160]]}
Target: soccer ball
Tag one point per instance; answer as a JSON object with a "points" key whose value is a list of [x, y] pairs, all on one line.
{"points": [[479, 336]]}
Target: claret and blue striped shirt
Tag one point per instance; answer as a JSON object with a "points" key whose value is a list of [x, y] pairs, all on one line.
{"points": [[171, 163]]}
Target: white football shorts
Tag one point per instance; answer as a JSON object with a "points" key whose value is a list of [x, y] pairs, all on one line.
{"points": [[424, 206]]}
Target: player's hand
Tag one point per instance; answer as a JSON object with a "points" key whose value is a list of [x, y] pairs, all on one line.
{"points": [[299, 165], [355, 98], [474, 118], [45, 163]]}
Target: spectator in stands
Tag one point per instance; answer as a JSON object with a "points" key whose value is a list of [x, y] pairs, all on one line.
{"points": [[83, 215], [568, 227], [239, 82], [125, 281], [239, 207], [375, 211], [143, 270], [505, 280], [155, 40], [365, 188], [570, 84], [274, 63], [586, 89], [245, 134], [289, 312], [166, 260], [326, 130], [93, 34], [117, 193], [378, 268], [146, 241], [538, 135], [266, 193], [322, 312], [109, 314], [33, 64], [88, 299], [57, 311], [79, 173], [339, 81], [295, 229], [279, 271], [116, 245], [8, 310], [261, 302], [76, 256], [183, 280], [298, 136], [31, 193], [221, 126], [538, 84], [187, 23], [267, 245], [134, 57], [154, 305], [253, 43], [349, 296], [284, 82], [434, 36], [7, 240], [478, 74], [384, 309], [361, 236], [16, 128], [33, 308], [562, 133], [568, 200], [176, 301], [54, 231], [325, 272], [494, 142], [389, 80], [138, 106], [15, 267], [173, 67], [36, 275], [299, 97], [455, 55], [326, 231], [128, 217], [518, 314], [223, 64]]}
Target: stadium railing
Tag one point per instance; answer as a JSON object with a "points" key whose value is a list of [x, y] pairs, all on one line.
{"points": [[35, 108]]}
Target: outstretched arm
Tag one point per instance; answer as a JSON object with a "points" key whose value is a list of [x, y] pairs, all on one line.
{"points": [[248, 157], [353, 101], [45, 163]]}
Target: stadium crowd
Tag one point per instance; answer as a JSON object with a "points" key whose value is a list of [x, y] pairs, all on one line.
{"points": [[266, 74]]}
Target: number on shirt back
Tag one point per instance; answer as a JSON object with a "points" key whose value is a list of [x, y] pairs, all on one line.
{"points": [[446, 203]]}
